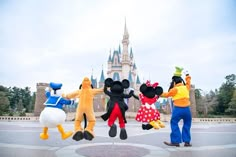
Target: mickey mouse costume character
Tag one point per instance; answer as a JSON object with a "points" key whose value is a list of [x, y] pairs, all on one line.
{"points": [[116, 106], [85, 107], [53, 115], [179, 91], [148, 114]]}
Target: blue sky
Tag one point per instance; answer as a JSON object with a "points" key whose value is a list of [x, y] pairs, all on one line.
{"points": [[63, 40]]}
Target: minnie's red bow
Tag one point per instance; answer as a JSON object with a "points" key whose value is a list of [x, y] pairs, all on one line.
{"points": [[148, 83]]}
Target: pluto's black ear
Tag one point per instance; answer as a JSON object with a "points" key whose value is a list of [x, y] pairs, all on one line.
{"points": [[91, 86], [108, 82], [125, 83], [158, 90], [143, 88], [80, 86]]}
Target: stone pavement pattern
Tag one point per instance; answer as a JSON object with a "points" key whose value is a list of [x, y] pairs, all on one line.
{"points": [[21, 139]]}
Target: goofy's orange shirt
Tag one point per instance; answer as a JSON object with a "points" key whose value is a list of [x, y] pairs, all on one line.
{"points": [[180, 93]]}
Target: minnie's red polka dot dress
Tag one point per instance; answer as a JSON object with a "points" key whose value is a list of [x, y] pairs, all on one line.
{"points": [[147, 111]]}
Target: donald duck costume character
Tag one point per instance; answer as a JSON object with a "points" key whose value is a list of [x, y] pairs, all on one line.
{"points": [[52, 115]]}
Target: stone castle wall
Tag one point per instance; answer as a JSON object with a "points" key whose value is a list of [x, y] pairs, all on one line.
{"points": [[40, 98]]}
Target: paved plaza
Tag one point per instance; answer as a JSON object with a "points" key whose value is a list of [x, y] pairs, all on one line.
{"points": [[21, 139]]}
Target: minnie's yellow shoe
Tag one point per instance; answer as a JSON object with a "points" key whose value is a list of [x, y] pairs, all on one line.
{"points": [[161, 124], [44, 136], [155, 125]]}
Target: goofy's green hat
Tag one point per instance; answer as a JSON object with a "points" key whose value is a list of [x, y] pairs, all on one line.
{"points": [[178, 71]]}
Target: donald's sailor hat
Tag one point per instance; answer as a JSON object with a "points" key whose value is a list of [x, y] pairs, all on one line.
{"points": [[55, 86]]}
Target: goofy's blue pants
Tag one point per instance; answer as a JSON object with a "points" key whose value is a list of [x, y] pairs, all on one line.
{"points": [[180, 113]]}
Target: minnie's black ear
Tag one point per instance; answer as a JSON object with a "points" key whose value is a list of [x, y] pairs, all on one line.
{"points": [[108, 82], [143, 88], [125, 83], [80, 86], [158, 90]]}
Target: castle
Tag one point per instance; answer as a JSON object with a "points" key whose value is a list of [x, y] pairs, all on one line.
{"points": [[121, 65]]}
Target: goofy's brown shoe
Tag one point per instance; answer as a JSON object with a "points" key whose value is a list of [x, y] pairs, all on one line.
{"points": [[186, 144], [171, 144]]}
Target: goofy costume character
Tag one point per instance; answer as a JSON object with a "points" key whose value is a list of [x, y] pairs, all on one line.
{"points": [[179, 91]]}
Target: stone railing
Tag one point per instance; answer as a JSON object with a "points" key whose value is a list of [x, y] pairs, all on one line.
{"points": [[11, 118], [129, 115]]}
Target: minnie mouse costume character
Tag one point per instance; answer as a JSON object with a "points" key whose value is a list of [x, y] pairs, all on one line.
{"points": [[148, 113], [116, 106]]}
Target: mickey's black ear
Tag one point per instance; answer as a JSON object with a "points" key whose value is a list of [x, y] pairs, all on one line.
{"points": [[143, 88], [125, 83], [158, 90], [108, 82], [80, 86]]}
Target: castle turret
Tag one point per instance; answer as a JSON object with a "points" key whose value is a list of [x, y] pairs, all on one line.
{"points": [[131, 55], [125, 54], [109, 62], [93, 81], [102, 79]]}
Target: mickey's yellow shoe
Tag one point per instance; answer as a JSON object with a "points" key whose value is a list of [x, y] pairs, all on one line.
{"points": [[155, 125]]}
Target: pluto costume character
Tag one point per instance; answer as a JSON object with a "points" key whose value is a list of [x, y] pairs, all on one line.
{"points": [[148, 114], [86, 95], [53, 115], [179, 92]]}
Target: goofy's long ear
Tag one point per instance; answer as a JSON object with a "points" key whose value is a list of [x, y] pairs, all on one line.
{"points": [[158, 90], [125, 83], [108, 82], [172, 84]]}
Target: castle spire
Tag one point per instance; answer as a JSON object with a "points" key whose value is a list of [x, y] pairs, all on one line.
{"points": [[109, 58], [126, 34], [125, 54], [102, 78]]}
